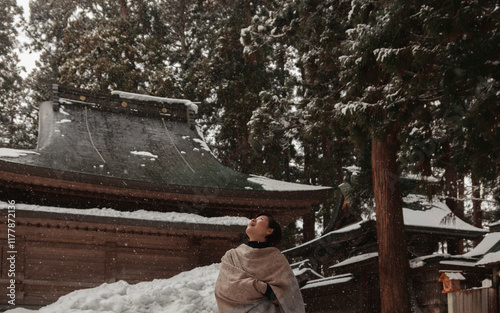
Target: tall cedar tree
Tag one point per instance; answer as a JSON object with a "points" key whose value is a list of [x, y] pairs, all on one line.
{"points": [[47, 30], [157, 47], [237, 82], [378, 97], [17, 121], [406, 62], [309, 34], [468, 39], [425, 72]]}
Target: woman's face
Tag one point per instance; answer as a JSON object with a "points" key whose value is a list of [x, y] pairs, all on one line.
{"points": [[258, 229]]}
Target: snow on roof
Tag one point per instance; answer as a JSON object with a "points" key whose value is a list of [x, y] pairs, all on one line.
{"points": [[145, 154], [421, 178], [278, 185], [418, 211], [140, 215], [187, 292], [489, 259], [443, 258], [318, 240], [356, 259], [333, 280], [494, 223], [301, 263], [421, 260], [141, 97], [14, 153], [464, 262], [488, 242], [300, 271], [453, 275]]}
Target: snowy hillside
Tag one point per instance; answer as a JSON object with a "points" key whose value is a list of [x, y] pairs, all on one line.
{"points": [[188, 292]]}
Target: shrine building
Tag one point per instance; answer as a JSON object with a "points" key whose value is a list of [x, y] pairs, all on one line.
{"points": [[123, 186]]}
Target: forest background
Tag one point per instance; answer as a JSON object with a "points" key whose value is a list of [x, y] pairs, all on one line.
{"points": [[297, 90]]}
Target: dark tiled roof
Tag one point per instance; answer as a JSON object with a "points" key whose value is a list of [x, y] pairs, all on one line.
{"points": [[134, 141], [88, 137]]}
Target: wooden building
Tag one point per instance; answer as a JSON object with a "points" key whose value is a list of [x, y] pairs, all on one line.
{"points": [[127, 152], [347, 260]]}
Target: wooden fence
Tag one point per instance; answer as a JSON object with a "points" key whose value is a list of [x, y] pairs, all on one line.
{"points": [[480, 300]]}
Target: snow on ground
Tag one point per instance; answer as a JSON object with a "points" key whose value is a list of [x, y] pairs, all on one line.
{"points": [[187, 292]]}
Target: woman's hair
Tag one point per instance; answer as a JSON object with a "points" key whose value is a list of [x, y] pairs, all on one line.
{"points": [[275, 237]]}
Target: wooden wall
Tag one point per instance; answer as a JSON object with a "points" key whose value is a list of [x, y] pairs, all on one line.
{"points": [[56, 254]]}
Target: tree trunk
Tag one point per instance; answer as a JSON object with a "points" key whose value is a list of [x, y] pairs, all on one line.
{"points": [[327, 155], [455, 246], [392, 248], [309, 218], [123, 8], [477, 214], [308, 226], [461, 195]]}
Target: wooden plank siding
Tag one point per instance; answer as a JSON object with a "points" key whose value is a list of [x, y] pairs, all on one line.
{"points": [[56, 255], [480, 300]]}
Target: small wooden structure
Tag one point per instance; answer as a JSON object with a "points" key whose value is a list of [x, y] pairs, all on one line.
{"points": [[451, 281], [127, 152]]}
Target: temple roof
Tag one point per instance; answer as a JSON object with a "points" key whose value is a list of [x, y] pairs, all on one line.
{"points": [[488, 249], [138, 142], [421, 216]]}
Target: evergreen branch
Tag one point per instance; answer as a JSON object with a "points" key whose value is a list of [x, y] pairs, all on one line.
{"points": [[484, 10], [471, 199], [38, 42]]}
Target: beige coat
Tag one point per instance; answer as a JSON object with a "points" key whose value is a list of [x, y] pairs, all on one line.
{"points": [[242, 282]]}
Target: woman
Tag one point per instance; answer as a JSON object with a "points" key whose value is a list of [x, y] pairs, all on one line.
{"points": [[255, 277]]}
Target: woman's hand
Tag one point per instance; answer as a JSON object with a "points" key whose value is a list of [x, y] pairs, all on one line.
{"points": [[260, 286]]}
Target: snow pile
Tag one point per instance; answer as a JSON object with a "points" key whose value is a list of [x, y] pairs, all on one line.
{"points": [[188, 292]]}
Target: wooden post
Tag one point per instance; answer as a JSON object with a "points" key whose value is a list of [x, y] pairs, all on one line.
{"points": [[451, 302], [495, 287]]}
